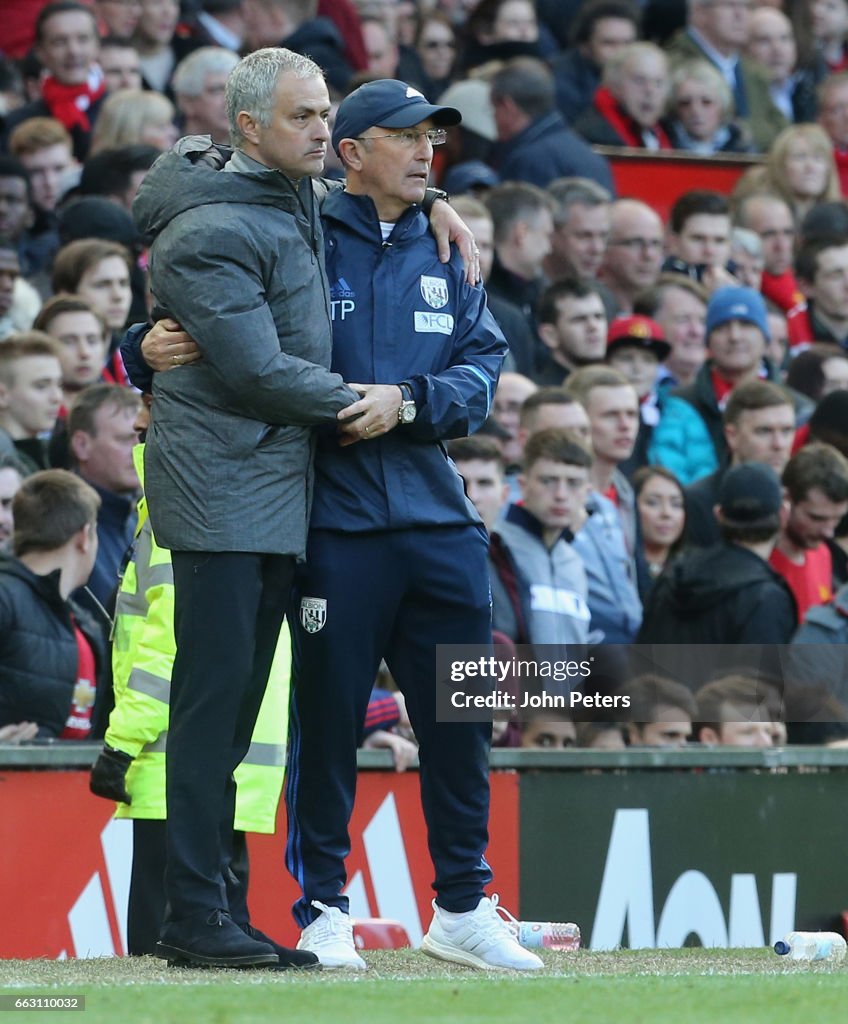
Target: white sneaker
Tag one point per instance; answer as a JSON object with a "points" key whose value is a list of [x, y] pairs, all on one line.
{"points": [[330, 938], [480, 938]]}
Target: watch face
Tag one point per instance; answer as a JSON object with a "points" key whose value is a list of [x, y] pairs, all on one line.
{"points": [[407, 412]]}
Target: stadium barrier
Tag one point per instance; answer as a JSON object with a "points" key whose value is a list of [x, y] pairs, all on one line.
{"points": [[660, 178], [641, 848]]}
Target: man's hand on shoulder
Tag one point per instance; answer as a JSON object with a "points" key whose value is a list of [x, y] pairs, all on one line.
{"points": [[447, 226], [166, 346]]}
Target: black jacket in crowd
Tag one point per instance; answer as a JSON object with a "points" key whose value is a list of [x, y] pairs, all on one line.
{"points": [[724, 594], [38, 650]]}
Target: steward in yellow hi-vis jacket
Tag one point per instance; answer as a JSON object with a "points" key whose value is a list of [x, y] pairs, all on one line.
{"points": [[131, 768]]}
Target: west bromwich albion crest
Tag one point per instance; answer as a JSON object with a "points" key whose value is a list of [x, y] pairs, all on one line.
{"points": [[434, 291], [313, 613]]}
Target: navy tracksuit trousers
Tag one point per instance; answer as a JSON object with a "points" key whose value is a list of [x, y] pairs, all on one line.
{"points": [[393, 595]]}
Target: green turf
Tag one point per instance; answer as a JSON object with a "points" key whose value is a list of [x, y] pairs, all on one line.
{"points": [[642, 987]]}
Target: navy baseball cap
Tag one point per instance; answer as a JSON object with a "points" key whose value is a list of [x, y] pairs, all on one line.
{"points": [[389, 104]]}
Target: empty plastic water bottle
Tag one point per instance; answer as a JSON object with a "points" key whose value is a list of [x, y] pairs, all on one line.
{"points": [[812, 946], [542, 934]]}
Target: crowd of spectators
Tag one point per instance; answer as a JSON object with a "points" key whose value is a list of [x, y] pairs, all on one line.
{"points": [[666, 460]]}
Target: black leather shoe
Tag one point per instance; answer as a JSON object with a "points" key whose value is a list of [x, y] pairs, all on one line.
{"points": [[213, 940], [289, 959]]}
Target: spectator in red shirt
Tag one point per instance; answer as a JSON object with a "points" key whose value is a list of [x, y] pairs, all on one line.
{"points": [[50, 658], [822, 271], [769, 216], [627, 108], [816, 481]]}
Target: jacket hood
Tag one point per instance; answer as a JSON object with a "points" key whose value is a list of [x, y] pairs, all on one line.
{"points": [[703, 579], [191, 175]]}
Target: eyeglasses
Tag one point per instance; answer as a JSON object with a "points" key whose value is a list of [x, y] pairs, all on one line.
{"points": [[439, 44], [737, 5], [435, 136], [651, 244]]}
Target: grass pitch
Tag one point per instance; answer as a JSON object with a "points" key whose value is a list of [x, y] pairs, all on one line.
{"points": [[403, 987]]}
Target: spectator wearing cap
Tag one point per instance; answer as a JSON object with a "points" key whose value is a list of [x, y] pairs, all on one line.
{"points": [[737, 331], [728, 593], [535, 143], [473, 139], [470, 176], [635, 347], [382, 130]]}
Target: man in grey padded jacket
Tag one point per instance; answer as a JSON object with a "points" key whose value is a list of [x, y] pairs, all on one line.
{"points": [[237, 260]]}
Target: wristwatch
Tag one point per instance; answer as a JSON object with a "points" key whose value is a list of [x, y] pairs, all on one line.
{"points": [[430, 197], [408, 410]]}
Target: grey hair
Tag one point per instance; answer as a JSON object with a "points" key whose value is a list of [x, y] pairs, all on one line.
{"points": [[253, 83], [568, 192], [614, 67], [747, 241], [706, 74], [190, 77]]}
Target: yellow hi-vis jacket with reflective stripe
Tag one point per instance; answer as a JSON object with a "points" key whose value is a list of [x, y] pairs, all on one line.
{"points": [[142, 658]]}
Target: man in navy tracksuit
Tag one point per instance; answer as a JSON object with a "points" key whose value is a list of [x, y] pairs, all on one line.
{"points": [[396, 559]]}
